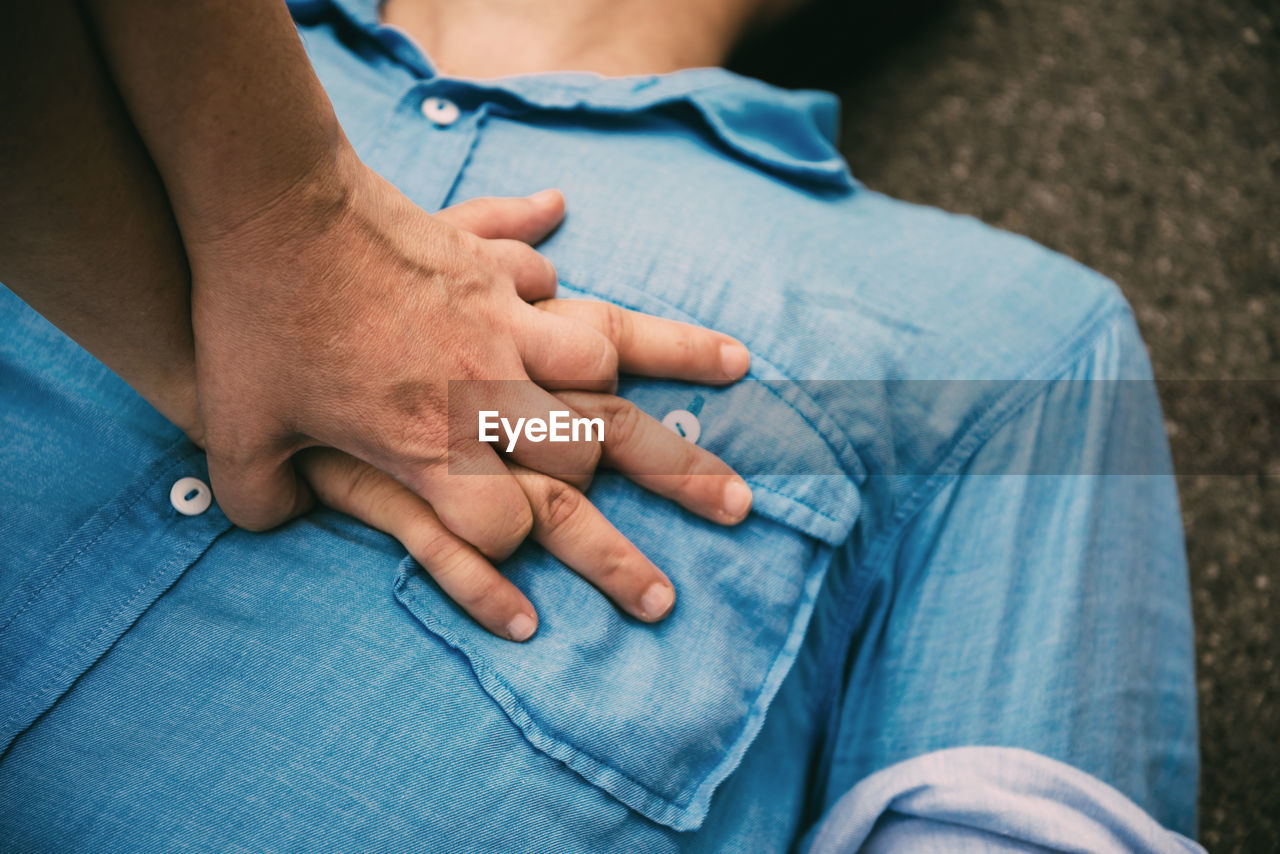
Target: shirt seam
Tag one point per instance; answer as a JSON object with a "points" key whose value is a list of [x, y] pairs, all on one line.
{"points": [[829, 174], [759, 487], [152, 579], [1074, 350], [72, 661], [56, 574], [681, 811]]}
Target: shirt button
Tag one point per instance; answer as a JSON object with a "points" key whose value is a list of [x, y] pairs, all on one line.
{"points": [[684, 423], [441, 112], [190, 496]]}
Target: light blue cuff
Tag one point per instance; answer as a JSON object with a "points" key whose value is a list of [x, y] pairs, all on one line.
{"points": [[989, 799]]}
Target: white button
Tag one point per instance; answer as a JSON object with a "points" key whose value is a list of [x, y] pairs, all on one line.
{"points": [[440, 111], [684, 423], [190, 496]]}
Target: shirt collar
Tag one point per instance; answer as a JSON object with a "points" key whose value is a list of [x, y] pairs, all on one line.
{"points": [[791, 134]]}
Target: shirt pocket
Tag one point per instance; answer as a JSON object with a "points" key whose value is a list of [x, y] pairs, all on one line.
{"points": [[655, 715], [659, 715]]}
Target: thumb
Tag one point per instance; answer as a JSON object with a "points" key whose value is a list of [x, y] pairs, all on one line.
{"points": [[259, 495], [528, 219]]}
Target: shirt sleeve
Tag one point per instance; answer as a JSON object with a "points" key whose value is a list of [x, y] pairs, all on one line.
{"points": [[989, 799], [1037, 600]]}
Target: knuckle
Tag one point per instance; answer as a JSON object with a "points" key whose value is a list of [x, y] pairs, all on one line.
{"points": [[232, 448], [557, 504], [530, 261], [477, 590], [356, 487], [537, 262], [592, 453], [583, 482], [685, 482], [250, 515], [510, 530], [691, 460], [625, 421], [538, 270], [521, 525], [607, 368], [250, 519], [611, 567], [613, 321], [469, 263], [458, 575], [415, 428], [438, 551], [549, 269]]}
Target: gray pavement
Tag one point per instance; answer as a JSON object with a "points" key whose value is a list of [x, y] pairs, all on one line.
{"points": [[1141, 137]]}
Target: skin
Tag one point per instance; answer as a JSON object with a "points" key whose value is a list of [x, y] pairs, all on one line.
{"points": [[308, 271], [92, 241], [495, 38]]}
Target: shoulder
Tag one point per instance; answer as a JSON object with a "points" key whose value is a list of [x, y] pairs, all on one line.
{"points": [[964, 300], [854, 286]]}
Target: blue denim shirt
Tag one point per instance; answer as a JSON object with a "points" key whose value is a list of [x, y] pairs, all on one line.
{"points": [[167, 677]]}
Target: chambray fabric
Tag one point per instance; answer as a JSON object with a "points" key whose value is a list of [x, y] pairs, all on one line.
{"points": [[946, 547], [978, 800]]}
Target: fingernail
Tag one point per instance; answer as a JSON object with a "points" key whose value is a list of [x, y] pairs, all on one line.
{"points": [[734, 360], [521, 627], [544, 197], [657, 600], [737, 499]]}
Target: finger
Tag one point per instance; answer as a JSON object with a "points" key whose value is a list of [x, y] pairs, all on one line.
{"points": [[661, 461], [257, 493], [531, 427], [533, 275], [377, 499], [473, 495], [562, 353], [528, 219], [571, 528], [657, 347]]}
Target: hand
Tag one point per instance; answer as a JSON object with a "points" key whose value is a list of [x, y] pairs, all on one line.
{"points": [[338, 315], [564, 521], [129, 305]]}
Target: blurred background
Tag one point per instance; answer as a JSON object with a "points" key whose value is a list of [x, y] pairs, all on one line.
{"points": [[1141, 137]]}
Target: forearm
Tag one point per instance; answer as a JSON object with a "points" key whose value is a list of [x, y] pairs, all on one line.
{"points": [[86, 234], [225, 100]]}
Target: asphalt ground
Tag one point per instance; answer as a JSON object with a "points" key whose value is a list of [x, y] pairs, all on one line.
{"points": [[1141, 137]]}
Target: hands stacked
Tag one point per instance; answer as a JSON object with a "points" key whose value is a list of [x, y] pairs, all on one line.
{"points": [[335, 320], [312, 347]]}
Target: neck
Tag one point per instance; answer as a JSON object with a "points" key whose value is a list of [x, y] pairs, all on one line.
{"points": [[496, 38]]}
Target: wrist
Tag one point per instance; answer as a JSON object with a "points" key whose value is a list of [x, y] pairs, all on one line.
{"points": [[310, 199], [269, 183]]}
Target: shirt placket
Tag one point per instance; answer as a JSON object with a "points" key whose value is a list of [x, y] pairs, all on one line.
{"points": [[69, 611], [426, 144]]}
